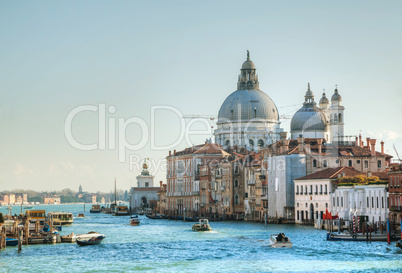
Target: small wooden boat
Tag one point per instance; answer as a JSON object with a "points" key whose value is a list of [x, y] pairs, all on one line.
{"points": [[399, 244], [202, 225], [49, 238], [91, 241], [28, 207], [121, 211], [11, 242], [280, 241], [80, 215], [68, 238]]}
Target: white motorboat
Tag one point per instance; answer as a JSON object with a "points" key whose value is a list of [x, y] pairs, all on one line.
{"points": [[279, 241], [89, 235]]}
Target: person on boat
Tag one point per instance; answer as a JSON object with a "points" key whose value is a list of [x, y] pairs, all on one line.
{"points": [[279, 237]]}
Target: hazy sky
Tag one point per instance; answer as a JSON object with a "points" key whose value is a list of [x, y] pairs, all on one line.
{"points": [[132, 55]]}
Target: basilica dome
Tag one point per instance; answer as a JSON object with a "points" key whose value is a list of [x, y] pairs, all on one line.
{"points": [[245, 105], [248, 102]]}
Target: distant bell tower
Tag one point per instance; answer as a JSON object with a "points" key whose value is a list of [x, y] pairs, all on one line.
{"points": [[337, 118], [80, 189], [145, 180]]}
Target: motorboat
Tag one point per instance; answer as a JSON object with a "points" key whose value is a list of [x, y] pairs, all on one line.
{"points": [[89, 235], [11, 242], [121, 211], [42, 238], [346, 236], [91, 241], [70, 238], [61, 218], [80, 215], [279, 241], [95, 209], [134, 221], [202, 225], [154, 216]]}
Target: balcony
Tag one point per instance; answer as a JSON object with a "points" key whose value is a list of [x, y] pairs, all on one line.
{"points": [[194, 193], [251, 182]]}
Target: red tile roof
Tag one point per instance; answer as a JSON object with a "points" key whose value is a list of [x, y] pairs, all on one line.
{"points": [[331, 173]]}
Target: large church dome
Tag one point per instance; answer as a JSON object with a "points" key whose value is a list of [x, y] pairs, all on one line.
{"points": [[248, 102], [245, 105]]}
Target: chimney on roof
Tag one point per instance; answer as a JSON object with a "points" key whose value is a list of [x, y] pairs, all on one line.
{"points": [[301, 144], [382, 147], [368, 143], [170, 153], [286, 145], [174, 152], [372, 143], [308, 148], [360, 140], [356, 142], [161, 184], [319, 142], [283, 135]]}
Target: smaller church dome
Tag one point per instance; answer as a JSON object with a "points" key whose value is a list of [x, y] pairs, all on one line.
{"points": [[248, 64], [324, 100], [336, 96]]}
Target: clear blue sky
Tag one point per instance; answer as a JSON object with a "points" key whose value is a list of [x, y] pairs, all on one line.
{"points": [[57, 55]]}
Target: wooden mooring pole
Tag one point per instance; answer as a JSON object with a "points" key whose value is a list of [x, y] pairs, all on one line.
{"points": [[19, 239]]}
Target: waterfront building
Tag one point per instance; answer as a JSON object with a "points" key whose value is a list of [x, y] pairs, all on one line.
{"points": [[103, 201], [145, 195], [248, 117], [11, 198], [93, 199], [52, 200], [395, 192], [183, 176], [19, 199], [25, 198], [288, 160], [313, 193], [353, 199], [162, 199]]}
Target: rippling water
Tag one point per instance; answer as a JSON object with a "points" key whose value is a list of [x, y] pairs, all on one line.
{"points": [[171, 246]]}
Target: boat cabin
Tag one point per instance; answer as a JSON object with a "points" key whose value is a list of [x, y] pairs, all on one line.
{"points": [[61, 218], [36, 215]]}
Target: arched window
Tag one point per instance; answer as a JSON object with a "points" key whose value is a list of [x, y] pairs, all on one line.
{"points": [[297, 189], [350, 163], [325, 164], [251, 142], [236, 183], [260, 143], [315, 163], [379, 163], [228, 143], [236, 199], [340, 117], [316, 189], [365, 163], [336, 118]]}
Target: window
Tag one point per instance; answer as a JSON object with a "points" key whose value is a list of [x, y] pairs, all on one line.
{"points": [[236, 183], [227, 143], [316, 205], [320, 189], [316, 189], [340, 117], [367, 202], [260, 143], [350, 163], [236, 169], [326, 189], [337, 201], [372, 202], [315, 163], [311, 189], [298, 215], [146, 184], [297, 204], [379, 163], [297, 189], [316, 215], [333, 201], [251, 142], [325, 164], [326, 205], [382, 202], [236, 199], [365, 164], [305, 190], [341, 201], [306, 205], [358, 161], [377, 202]]}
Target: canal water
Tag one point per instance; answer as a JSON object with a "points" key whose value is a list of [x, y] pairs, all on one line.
{"points": [[171, 246]]}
